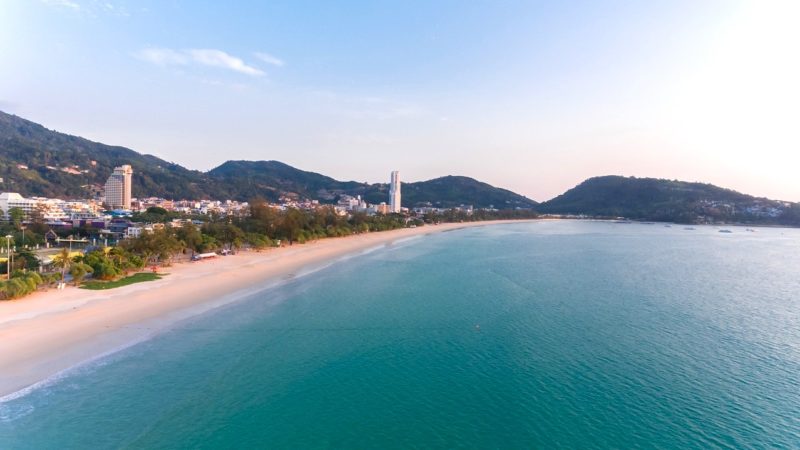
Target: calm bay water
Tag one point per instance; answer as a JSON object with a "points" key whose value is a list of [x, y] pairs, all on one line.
{"points": [[540, 335]]}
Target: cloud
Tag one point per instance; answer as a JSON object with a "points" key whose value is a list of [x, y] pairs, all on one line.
{"points": [[163, 56], [203, 57], [113, 9], [93, 9], [63, 3], [218, 58], [269, 59]]}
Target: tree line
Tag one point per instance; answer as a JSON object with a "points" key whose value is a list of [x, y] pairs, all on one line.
{"points": [[262, 227]]}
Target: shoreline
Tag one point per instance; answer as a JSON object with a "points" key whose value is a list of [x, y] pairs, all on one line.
{"points": [[50, 332]]}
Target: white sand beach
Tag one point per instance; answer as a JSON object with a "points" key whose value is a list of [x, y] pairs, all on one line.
{"points": [[49, 332]]}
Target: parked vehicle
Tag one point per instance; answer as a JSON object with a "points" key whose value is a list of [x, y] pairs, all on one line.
{"points": [[202, 256]]}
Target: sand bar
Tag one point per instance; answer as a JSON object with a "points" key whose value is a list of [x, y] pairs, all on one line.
{"points": [[49, 332]]}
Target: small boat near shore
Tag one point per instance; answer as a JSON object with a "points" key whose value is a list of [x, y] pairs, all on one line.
{"points": [[725, 231]]}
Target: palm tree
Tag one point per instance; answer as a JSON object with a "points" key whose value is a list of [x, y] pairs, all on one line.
{"points": [[63, 261], [117, 255]]}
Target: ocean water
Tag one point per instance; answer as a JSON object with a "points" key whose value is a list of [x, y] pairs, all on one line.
{"points": [[538, 335]]}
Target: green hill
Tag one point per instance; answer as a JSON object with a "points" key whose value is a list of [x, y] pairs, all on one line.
{"points": [[272, 179], [668, 200], [450, 191], [246, 179], [47, 153], [36, 161]]}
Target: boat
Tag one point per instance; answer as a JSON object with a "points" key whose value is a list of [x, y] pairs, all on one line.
{"points": [[725, 231]]}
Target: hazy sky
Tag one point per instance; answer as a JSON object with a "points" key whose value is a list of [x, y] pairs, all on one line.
{"points": [[530, 96]]}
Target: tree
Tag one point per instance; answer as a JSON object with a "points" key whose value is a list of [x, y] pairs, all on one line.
{"points": [[190, 236], [118, 257], [292, 224], [227, 234], [27, 260], [103, 266], [147, 256], [50, 279], [21, 283], [63, 262], [167, 246], [208, 244], [37, 215], [266, 216], [257, 241], [16, 287], [16, 215], [79, 271]]}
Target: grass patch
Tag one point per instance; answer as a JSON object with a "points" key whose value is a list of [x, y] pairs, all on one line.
{"points": [[135, 278]]}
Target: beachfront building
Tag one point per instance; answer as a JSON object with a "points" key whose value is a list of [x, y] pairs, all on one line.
{"points": [[81, 209], [9, 200], [134, 232], [141, 204], [118, 188], [47, 209], [394, 192], [349, 203]]}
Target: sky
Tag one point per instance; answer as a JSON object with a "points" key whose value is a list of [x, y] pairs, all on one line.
{"points": [[530, 96]]}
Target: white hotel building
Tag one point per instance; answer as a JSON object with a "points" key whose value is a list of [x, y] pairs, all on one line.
{"points": [[394, 192], [9, 200], [49, 209], [118, 188]]}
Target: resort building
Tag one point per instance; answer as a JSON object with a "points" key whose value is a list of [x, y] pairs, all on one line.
{"points": [[134, 232], [49, 210], [394, 192], [350, 203], [9, 200], [118, 188]]}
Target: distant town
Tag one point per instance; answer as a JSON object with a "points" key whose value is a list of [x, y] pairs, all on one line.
{"points": [[114, 214], [50, 240], [105, 238], [108, 215]]}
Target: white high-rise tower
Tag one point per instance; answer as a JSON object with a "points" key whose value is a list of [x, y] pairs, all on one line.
{"points": [[394, 193], [118, 188]]}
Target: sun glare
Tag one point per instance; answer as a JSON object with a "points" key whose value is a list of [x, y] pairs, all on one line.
{"points": [[744, 98]]}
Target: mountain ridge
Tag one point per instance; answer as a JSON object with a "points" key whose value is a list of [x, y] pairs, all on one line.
{"points": [[668, 200], [38, 161]]}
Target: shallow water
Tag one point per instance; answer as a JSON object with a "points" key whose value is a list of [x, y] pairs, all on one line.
{"points": [[538, 335]]}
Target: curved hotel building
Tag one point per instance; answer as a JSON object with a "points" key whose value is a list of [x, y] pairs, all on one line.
{"points": [[118, 188]]}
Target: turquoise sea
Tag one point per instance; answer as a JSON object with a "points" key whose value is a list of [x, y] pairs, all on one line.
{"points": [[531, 335]]}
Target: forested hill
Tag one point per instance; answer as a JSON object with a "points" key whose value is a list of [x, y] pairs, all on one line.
{"points": [[668, 200], [272, 179], [42, 162], [36, 161], [452, 191], [248, 178]]}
